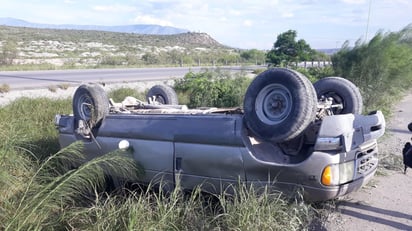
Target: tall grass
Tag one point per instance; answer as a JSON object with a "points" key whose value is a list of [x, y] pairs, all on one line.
{"points": [[380, 68], [55, 187]]}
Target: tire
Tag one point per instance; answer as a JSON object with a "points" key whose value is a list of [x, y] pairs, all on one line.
{"points": [[162, 94], [279, 105], [91, 104], [343, 92]]}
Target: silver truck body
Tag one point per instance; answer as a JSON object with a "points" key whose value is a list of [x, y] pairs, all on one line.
{"points": [[215, 150]]}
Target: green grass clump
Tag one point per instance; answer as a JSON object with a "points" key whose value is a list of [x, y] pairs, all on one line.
{"points": [[149, 210], [28, 124], [57, 185]]}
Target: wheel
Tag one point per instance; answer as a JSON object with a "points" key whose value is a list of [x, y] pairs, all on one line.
{"points": [[90, 104], [162, 94], [345, 95], [279, 104], [410, 127]]}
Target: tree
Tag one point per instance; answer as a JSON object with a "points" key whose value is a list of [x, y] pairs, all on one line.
{"points": [[8, 52], [253, 55], [286, 49], [150, 58]]}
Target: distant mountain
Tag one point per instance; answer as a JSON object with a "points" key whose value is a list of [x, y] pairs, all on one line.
{"points": [[136, 29], [330, 51]]}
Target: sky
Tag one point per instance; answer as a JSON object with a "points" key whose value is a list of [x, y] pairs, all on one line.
{"points": [[244, 24]]}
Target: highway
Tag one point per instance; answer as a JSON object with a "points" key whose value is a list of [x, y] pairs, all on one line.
{"points": [[40, 79]]}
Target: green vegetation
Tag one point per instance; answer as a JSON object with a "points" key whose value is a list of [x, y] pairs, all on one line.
{"points": [[8, 52], [30, 48], [286, 50], [381, 68], [212, 88]]}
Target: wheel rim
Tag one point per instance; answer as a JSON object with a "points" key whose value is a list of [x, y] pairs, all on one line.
{"points": [[85, 107], [337, 104], [273, 104], [160, 99]]}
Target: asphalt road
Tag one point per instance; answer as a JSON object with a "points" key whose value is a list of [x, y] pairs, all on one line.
{"points": [[38, 79]]}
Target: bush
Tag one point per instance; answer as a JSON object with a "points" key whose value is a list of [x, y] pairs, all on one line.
{"points": [[4, 88], [212, 89], [316, 73]]}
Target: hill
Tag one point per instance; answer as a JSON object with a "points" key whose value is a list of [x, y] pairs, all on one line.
{"points": [[137, 29], [90, 48], [188, 39]]}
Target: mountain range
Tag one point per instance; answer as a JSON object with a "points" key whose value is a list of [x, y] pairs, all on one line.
{"points": [[136, 29]]}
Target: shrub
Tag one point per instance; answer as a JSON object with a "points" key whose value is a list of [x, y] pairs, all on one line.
{"points": [[381, 68], [4, 88], [52, 88], [212, 88], [316, 73]]}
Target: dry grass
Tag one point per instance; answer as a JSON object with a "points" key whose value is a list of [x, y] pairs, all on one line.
{"points": [[4, 88]]}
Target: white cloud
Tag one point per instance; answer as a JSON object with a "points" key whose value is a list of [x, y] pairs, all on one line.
{"points": [[114, 8], [357, 2], [148, 19], [247, 23], [287, 15]]}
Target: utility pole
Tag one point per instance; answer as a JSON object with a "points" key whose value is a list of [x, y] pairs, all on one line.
{"points": [[367, 24]]}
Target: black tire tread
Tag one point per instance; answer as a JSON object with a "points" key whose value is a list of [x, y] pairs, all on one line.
{"points": [[347, 90], [303, 110], [99, 100], [165, 91]]}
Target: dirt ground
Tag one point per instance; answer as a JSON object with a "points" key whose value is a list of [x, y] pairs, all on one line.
{"points": [[386, 202]]}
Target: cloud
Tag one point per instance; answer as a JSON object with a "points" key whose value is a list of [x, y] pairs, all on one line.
{"points": [[247, 23], [114, 8], [287, 15], [148, 19], [354, 2]]}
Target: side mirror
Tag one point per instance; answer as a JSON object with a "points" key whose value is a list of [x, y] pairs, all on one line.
{"points": [[410, 126]]}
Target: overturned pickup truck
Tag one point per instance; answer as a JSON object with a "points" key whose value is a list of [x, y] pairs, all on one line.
{"points": [[290, 134]]}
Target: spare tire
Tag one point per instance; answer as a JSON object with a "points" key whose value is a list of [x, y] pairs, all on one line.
{"points": [[162, 94], [279, 104], [90, 104], [343, 92]]}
